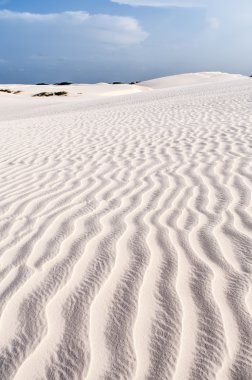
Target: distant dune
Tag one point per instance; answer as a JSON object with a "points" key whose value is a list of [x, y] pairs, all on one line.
{"points": [[74, 90], [126, 230], [190, 79]]}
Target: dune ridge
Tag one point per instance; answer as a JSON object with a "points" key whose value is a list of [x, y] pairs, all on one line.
{"points": [[126, 235]]}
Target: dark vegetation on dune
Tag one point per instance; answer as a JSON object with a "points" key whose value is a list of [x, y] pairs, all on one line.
{"points": [[135, 82], [55, 84], [7, 91], [44, 94], [62, 84], [47, 94], [60, 93], [69, 83]]}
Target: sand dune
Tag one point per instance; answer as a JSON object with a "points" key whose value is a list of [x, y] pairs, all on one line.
{"points": [[190, 79], [126, 232]]}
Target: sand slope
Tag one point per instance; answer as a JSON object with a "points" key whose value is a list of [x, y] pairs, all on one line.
{"points": [[190, 79], [126, 235]]}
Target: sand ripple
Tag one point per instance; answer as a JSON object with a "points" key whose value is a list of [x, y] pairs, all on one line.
{"points": [[126, 238]]}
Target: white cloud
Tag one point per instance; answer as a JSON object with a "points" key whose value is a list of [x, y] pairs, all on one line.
{"points": [[100, 27], [26, 16], [162, 3], [214, 23]]}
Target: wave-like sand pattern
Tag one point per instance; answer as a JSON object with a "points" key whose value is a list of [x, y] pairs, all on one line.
{"points": [[126, 238]]}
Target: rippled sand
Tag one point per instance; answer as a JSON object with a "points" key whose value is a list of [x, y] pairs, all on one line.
{"points": [[126, 233]]}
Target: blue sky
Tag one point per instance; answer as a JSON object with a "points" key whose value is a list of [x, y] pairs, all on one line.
{"points": [[122, 40]]}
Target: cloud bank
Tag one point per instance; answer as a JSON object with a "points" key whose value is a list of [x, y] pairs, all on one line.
{"points": [[75, 46], [162, 3], [101, 27]]}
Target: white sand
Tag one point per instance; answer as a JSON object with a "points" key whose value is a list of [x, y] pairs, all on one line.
{"points": [[126, 231]]}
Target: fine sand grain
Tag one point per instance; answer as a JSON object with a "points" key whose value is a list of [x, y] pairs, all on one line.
{"points": [[126, 231]]}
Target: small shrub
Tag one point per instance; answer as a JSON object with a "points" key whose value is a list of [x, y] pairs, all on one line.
{"points": [[61, 93], [62, 84], [16, 92], [6, 90], [41, 94], [47, 94]]}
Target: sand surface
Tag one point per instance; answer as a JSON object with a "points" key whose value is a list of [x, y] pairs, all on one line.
{"points": [[126, 231]]}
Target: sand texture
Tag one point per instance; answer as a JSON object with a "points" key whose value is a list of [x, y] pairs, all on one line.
{"points": [[126, 232]]}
